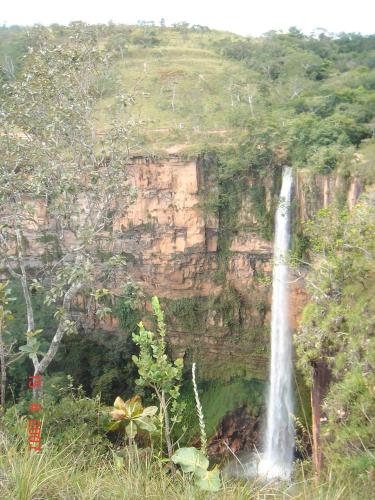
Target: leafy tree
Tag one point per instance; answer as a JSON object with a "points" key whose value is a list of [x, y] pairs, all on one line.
{"points": [[157, 371], [338, 330], [63, 185]]}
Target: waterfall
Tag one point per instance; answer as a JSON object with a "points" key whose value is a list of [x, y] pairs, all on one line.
{"points": [[279, 443]]}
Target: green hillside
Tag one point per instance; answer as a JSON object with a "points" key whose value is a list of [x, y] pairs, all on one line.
{"points": [[193, 88], [185, 93], [201, 89]]}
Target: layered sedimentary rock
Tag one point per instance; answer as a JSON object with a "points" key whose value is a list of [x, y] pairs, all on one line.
{"points": [[171, 246], [318, 191]]}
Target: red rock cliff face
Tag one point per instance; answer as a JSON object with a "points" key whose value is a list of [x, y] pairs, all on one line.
{"points": [[172, 251], [173, 247]]}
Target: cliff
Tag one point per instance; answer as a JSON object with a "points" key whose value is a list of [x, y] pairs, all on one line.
{"points": [[219, 314], [215, 285]]}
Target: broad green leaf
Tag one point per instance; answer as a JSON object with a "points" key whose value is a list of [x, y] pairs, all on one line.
{"points": [[208, 480], [134, 407], [146, 424], [33, 346], [150, 411], [119, 404], [112, 426], [190, 459], [36, 346], [25, 348], [131, 429]]}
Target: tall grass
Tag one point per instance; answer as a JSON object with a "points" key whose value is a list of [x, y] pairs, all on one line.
{"points": [[63, 474]]}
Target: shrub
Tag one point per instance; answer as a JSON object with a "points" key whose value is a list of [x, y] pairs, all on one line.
{"points": [[75, 421]]}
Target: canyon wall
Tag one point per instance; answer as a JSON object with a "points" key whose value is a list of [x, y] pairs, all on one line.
{"points": [[173, 248], [172, 245], [218, 313]]}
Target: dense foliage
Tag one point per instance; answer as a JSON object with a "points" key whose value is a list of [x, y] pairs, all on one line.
{"points": [[339, 328]]}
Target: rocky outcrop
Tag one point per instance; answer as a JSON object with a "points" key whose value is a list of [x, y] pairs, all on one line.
{"points": [[314, 192], [171, 246], [238, 431]]}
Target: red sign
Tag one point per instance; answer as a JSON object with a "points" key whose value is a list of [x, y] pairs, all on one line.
{"points": [[35, 425]]}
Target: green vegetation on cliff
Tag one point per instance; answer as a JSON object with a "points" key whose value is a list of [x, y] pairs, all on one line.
{"points": [[338, 329]]}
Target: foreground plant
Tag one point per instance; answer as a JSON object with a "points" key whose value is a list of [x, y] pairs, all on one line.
{"points": [[132, 416], [158, 372], [195, 461], [202, 426]]}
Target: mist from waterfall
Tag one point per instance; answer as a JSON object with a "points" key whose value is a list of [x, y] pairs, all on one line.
{"points": [[279, 440]]}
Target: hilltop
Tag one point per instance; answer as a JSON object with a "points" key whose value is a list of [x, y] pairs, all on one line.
{"points": [[190, 89]]}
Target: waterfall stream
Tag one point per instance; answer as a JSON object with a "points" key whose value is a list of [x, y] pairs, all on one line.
{"points": [[279, 443]]}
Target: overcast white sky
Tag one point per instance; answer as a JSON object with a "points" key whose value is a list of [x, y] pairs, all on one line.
{"points": [[247, 17]]}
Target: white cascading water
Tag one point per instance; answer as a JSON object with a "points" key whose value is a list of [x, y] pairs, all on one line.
{"points": [[278, 453]]}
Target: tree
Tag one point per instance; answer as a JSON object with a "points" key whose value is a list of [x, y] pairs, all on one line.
{"points": [[337, 336], [157, 371], [62, 184], [6, 355]]}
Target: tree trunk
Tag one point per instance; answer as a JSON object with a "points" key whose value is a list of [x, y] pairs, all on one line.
{"points": [[321, 380], [40, 366], [26, 292], [25, 288], [167, 426], [50, 354]]}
